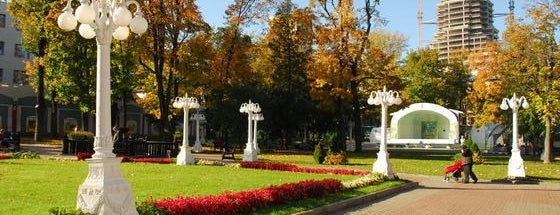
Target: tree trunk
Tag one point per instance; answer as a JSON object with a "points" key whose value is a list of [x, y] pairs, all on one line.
{"points": [[40, 109], [54, 115], [547, 139], [356, 114]]}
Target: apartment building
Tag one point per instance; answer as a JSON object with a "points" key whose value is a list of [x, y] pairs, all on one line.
{"points": [[463, 25]]}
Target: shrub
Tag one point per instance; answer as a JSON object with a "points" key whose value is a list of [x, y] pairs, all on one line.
{"points": [[80, 135], [336, 159], [477, 157], [319, 154], [25, 155]]}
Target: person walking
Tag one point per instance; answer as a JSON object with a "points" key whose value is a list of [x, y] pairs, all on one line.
{"points": [[467, 164]]}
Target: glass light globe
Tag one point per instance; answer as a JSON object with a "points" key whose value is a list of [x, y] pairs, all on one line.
{"points": [[138, 25], [178, 103], [85, 14], [525, 104], [370, 99], [397, 101], [121, 33], [122, 16], [504, 105], [86, 31], [67, 21]]}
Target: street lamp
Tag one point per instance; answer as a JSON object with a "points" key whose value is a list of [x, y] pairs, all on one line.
{"points": [[186, 102], [250, 153], [197, 144], [516, 169], [105, 191], [256, 118], [384, 98]]}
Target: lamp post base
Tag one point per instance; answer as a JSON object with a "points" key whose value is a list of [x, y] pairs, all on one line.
{"points": [[197, 147], [516, 169], [105, 191], [185, 156], [249, 154], [382, 165]]}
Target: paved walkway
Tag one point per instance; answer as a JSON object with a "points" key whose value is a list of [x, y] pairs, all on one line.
{"points": [[437, 197]]}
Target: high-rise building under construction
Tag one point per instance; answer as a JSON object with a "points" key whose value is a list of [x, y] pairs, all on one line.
{"points": [[463, 25]]}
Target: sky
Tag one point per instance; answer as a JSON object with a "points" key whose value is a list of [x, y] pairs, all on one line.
{"points": [[400, 14]]}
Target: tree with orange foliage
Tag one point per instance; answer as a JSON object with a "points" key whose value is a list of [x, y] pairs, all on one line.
{"points": [[172, 25]]}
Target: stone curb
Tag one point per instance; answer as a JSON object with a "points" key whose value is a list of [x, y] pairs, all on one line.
{"points": [[337, 206]]}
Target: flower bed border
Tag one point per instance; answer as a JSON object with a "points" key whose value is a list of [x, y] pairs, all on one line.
{"points": [[249, 201], [294, 168]]}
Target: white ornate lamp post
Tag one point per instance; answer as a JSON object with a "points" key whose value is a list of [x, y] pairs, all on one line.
{"points": [[384, 98], [516, 169], [256, 118], [197, 144], [185, 157], [250, 153], [105, 191]]}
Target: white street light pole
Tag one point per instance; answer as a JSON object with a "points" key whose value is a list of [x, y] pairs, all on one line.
{"points": [[197, 144], [250, 154], [384, 98], [516, 169], [185, 156], [105, 191], [256, 118]]}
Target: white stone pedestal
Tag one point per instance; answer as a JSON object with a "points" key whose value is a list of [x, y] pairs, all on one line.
{"points": [[516, 169], [382, 165], [249, 154], [105, 191], [197, 146], [185, 156]]}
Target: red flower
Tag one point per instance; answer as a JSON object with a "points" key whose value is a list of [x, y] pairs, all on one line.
{"points": [[250, 200], [294, 168]]}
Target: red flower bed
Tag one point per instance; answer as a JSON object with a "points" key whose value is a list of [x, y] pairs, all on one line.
{"points": [[83, 155], [86, 155], [251, 200], [3, 156], [294, 168], [148, 160]]}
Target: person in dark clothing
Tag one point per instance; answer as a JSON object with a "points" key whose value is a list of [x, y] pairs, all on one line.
{"points": [[467, 164]]}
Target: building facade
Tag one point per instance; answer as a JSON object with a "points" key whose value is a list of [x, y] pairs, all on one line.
{"points": [[463, 25]]}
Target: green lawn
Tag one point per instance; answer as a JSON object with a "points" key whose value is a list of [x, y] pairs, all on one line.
{"points": [[34, 186], [495, 167]]}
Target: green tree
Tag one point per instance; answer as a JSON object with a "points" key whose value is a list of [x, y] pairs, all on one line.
{"points": [[35, 19], [531, 63], [427, 79], [282, 57]]}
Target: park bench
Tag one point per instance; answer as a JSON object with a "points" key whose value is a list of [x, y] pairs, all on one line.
{"points": [[228, 151]]}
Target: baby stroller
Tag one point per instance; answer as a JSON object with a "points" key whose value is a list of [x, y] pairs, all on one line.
{"points": [[453, 170]]}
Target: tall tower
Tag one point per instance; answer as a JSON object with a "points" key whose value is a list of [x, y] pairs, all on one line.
{"points": [[463, 25]]}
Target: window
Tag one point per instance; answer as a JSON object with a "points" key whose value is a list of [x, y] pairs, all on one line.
{"points": [[31, 121], [18, 51], [1, 75], [2, 20], [20, 77], [1, 47]]}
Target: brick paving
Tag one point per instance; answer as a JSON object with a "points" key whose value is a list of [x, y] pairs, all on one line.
{"points": [[434, 196]]}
